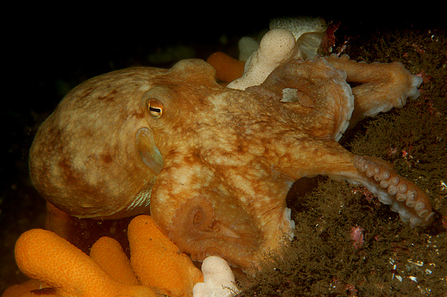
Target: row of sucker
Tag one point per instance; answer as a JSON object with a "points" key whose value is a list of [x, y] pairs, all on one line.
{"points": [[395, 186]]}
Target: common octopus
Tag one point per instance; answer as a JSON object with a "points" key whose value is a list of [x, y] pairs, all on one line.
{"points": [[214, 164]]}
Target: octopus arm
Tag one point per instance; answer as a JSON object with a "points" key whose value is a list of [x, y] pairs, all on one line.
{"points": [[403, 196], [331, 159], [378, 86], [320, 88]]}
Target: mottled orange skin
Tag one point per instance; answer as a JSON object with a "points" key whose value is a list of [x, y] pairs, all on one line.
{"points": [[214, 164]]}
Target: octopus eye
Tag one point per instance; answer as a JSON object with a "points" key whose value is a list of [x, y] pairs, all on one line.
{"points": [[155, 108]]}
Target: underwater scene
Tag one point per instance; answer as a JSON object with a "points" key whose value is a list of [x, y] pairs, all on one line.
{"points": [[280, 155]]}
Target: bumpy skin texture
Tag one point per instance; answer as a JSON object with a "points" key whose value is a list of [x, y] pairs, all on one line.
{"points": [[216, 163]]}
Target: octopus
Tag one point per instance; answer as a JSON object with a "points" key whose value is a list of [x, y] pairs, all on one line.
{"points": [[212, 164]]}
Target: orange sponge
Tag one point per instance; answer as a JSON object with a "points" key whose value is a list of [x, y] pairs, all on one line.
{"points": [[109, 255], [157, 261], [227, 68], [43, 255]]}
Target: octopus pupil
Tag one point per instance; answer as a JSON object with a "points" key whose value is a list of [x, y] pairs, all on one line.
{"points": [[154, 109]]}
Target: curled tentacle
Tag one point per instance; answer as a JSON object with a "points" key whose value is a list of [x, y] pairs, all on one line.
{"points": [[412, 204], [191, 220], [197, 232]]}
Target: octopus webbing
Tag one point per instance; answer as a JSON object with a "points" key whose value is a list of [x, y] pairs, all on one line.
{"points": [[214, 164]]}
